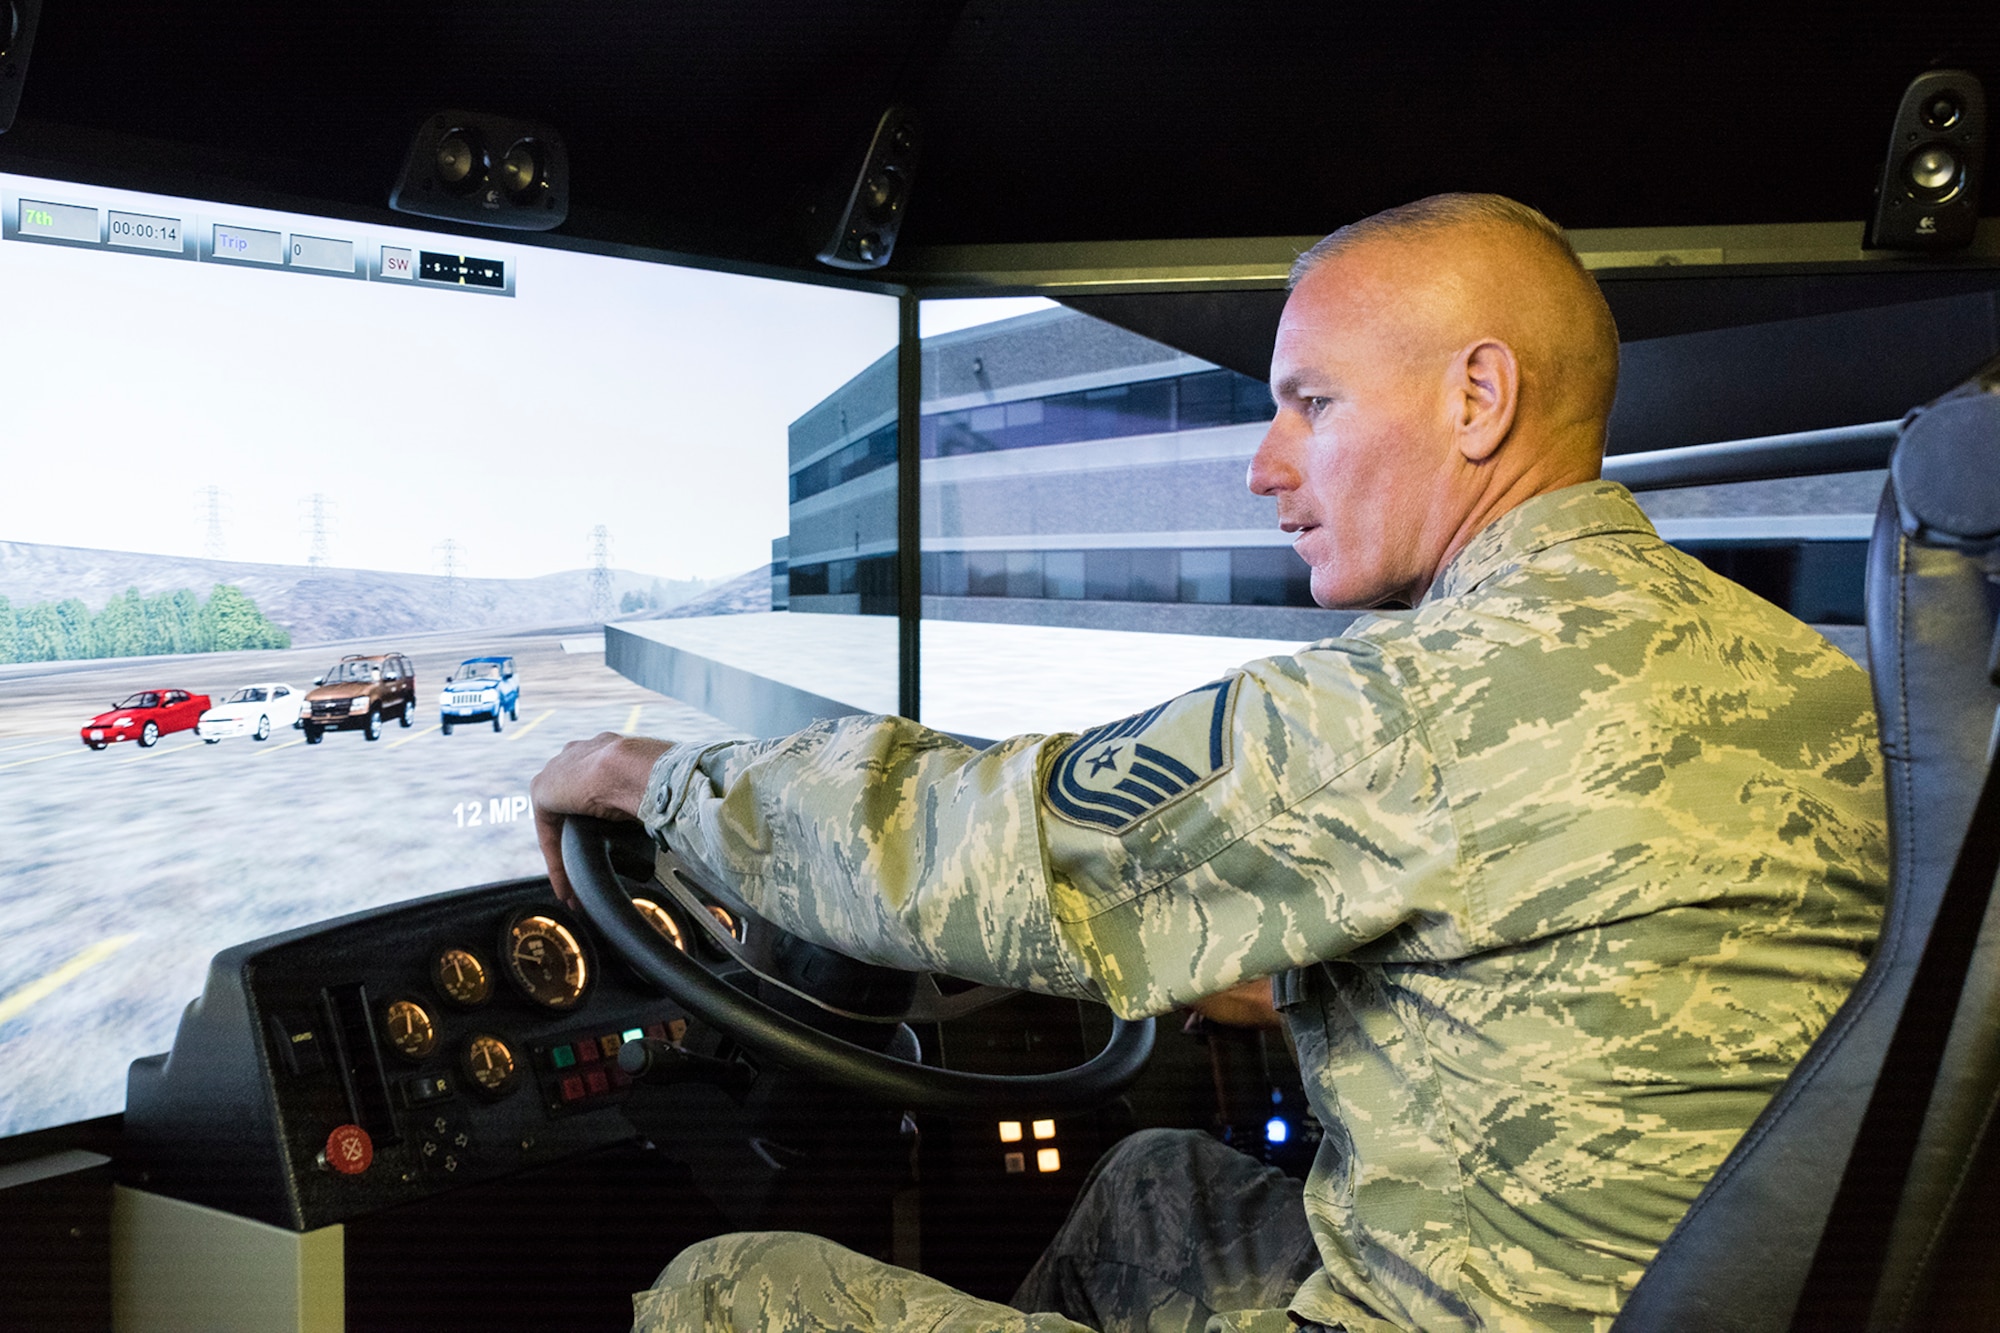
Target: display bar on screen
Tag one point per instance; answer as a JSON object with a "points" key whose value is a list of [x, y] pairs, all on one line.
{"points": [[42, 221], [322, 254], [247, 245], [143, 231]]}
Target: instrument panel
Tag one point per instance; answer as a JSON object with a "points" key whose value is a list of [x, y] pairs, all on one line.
{"points": [[386, 1056]]}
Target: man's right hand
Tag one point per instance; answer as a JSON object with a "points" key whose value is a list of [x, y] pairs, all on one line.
{"points": [[604, 777], [1244, 1005]]}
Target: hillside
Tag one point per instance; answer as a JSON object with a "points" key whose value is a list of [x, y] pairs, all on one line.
{"points": [[734, 597], [329, 604]]}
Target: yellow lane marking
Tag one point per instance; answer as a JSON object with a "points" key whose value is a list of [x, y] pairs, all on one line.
{"points": [[273, 749], [522, 731], [413, 735], [29, 745], [632, 721], [21, 999], [178, 749], [40, 758]]}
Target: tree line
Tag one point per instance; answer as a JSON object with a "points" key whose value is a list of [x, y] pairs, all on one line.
{"points": [[131, 625]]}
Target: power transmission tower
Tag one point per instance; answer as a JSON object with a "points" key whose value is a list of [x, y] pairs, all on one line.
{"points": [[214, 547], [319, 523], [600, 573], [450, 557]]}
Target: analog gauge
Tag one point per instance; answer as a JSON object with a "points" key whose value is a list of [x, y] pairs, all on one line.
{"points": [[728, 922], [411, 1031], [461, 977], [489, 1063], [545, 959], [656, 916]]}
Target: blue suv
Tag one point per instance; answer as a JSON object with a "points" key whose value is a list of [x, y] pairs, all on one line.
{"points": [[480, 690]]}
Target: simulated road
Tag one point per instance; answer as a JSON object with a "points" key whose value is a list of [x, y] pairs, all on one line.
{"points": [[123, 871]]}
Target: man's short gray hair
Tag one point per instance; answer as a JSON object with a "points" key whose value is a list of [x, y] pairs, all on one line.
{"points": [[1438, 212]]}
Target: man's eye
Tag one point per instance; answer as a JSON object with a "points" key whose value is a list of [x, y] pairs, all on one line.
{"points": [[1313, 407]]}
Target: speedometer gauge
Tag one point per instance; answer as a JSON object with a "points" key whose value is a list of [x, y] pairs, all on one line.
{"points": [[545, 959]]}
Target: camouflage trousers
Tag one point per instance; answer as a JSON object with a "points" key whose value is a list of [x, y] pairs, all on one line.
{"points": [[1173, 1233]]}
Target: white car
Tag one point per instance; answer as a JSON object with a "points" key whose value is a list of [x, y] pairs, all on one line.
{"points": [[254, 711]]}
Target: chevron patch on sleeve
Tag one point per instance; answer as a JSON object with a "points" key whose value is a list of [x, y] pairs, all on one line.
{"points": [[1113, 776]]}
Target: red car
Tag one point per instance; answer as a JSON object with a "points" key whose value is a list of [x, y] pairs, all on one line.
{"points": [[145, 717]]}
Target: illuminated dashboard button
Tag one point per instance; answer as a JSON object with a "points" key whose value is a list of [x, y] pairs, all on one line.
{"points": [[489, 1063], [349, 1150], [562, 1057], [411, 1031], [461, 978]]}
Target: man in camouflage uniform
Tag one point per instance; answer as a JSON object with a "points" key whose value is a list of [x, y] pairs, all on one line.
{"points": [[1556, 873]]}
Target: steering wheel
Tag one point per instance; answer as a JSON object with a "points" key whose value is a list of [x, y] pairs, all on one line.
{"points": [[587, 845]]}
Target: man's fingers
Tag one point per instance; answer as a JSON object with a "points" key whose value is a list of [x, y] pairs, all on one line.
{"points": [[604, 776], [548, 832]]}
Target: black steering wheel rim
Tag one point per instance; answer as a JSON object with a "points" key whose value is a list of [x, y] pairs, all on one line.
{"points": [[800, 1046]]}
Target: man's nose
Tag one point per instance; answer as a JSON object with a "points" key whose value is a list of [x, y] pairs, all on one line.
{"points": [[1274, 467]]}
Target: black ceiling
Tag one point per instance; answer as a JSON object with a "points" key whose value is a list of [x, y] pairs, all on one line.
{"points": [[710, 126]]}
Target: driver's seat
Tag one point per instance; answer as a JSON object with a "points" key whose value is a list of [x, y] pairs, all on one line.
{"points": [[1902, 1085]]}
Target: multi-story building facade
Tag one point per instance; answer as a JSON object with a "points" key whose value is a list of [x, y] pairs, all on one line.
{"points": [[1078, 474], [1073, 474]]}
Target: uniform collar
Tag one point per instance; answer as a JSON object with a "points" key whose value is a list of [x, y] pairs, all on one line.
{"points": [[1590, 509]]}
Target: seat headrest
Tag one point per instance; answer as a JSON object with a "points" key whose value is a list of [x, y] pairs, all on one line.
{"points": [[1947, 467]]}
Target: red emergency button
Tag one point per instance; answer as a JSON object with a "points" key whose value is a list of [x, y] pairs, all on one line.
{"points": [[349, 1150]]}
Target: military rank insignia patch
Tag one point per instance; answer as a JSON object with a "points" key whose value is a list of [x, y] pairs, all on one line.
{"points": [[1113, 776]]}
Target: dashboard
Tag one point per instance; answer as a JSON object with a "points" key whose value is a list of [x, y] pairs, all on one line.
{"points": [[388, 1056]]}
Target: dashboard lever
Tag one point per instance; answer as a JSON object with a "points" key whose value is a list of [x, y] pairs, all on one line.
{"points": [[650, 1060]]}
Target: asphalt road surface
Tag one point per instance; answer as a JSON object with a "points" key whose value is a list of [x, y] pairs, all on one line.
{"points": [[123, 871]]}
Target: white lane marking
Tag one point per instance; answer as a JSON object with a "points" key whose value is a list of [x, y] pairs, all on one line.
{"points": [[413, 735], [519, 732], [22, 999]]}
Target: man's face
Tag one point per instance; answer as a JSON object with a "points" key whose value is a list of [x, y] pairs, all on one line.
{"points": [[1360, 451]]}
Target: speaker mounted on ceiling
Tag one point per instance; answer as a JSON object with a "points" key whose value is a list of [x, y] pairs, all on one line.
{"points": [[496, 171], [863, 235], [18, 20], [1929, 195]]}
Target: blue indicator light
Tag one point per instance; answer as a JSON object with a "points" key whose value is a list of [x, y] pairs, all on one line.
{"points": [[633, 1034], [1276, 1130]]}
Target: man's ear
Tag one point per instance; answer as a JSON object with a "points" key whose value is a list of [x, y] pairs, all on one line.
{"points": [[1485, 392]]}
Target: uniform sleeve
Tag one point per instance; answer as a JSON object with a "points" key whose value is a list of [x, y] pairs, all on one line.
{"points": [[1288, 813]]}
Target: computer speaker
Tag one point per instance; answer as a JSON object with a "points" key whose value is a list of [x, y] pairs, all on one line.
{"points": [[1929, 196], [467, 166], [863, 234], [17, 38]]}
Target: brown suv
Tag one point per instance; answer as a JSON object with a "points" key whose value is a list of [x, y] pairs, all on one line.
{"points": [[358, 693]]}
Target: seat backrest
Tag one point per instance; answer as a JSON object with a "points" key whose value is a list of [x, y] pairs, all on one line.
{"points": [[1740, 1258]]}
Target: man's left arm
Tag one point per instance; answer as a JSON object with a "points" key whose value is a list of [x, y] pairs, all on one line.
{"points": [[1285, 814], [880, 838]]}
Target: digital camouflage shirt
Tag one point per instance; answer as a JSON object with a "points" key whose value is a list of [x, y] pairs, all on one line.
{"points": [[1559, 874]]}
